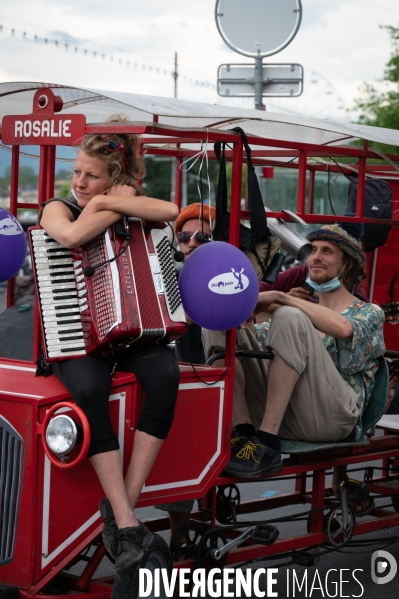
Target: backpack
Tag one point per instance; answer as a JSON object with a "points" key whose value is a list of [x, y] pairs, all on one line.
{"points": [[377, 204]]}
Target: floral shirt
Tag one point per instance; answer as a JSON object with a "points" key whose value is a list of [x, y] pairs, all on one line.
{"points": [[355, 358]]}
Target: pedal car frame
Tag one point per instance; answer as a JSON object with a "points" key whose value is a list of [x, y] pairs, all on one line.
{"points": [[51, 519]]}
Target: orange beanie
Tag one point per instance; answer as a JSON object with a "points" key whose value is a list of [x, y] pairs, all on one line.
{"points": [[193, 211]]}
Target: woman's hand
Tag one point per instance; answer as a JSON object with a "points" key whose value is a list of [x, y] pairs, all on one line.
{"points": [[124, 200], [91, 207], [121, 191], [102, 202]]}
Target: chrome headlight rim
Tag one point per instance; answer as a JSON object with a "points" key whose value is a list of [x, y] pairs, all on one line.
{"points": [[70, 441]]}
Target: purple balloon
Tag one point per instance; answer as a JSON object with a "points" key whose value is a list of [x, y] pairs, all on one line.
{"points": [[12, 245], [218, 286]]}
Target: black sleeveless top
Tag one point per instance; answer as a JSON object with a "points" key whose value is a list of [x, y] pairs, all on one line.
{"points": [[71, 203]]}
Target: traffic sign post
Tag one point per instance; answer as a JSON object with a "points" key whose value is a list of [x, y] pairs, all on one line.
{"points": [[262, 29], [277, 80]]}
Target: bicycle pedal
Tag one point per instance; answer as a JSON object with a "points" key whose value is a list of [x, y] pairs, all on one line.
{"points": [[265, 534]]}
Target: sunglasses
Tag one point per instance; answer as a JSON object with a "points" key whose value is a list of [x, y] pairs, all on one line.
{"points": [[185, 236], [115, 146]]}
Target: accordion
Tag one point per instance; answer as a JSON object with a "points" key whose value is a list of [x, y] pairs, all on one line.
{"points": [[131, 298]]}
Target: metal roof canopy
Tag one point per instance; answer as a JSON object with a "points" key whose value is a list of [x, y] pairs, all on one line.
{"points": [[157, 114]]}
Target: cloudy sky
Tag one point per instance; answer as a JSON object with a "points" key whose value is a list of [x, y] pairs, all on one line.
{"points": [[130, 46]]}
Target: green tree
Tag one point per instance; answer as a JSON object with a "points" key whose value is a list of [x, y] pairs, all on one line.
{"points": [[381, 108], [64, 191], [27, 175], [63, 174]]}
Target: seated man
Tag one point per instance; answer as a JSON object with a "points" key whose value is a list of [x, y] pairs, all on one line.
{"points": [[325, 355]]}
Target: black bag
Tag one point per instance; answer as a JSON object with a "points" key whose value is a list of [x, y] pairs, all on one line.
{"points": [[377, 204], [255, 241]]}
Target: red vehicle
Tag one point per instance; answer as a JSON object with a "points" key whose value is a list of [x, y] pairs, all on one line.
{"points": [[49, 517]]}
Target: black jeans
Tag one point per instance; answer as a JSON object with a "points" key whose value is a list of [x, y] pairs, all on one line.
{"points": [[89, 382]]}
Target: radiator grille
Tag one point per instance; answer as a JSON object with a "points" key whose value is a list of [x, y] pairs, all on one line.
{"points": [[11, 468]]}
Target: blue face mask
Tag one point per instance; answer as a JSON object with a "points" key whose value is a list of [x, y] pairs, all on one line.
{"points": [[328, 286], [335, 283]]}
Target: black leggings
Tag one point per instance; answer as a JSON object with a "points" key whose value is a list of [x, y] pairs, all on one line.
{"points": [[89, 382]]}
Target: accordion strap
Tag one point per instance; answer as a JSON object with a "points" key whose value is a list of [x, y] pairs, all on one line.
{"points": [[258, 219]]}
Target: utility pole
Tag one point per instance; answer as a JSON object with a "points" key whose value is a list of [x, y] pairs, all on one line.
{"points": [[174, 160], [175, 75], [258, 83]]}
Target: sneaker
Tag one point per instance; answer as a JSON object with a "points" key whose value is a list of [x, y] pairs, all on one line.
{"points": [[255, 459], [237, 442], [131, 544], [110, 529]]}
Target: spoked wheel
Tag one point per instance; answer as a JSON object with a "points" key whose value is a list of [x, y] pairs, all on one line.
{"points": [[211, 540], [227, 499], [156, 556], [337, 534], [184, 542]]}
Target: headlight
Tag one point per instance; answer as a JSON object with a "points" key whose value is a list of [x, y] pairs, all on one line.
{"points": [[61, 434]]}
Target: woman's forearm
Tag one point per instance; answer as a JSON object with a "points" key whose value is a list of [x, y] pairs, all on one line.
{"points": [[73, 234], [142, 207]]}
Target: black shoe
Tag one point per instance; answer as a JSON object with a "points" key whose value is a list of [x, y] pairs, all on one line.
{"points": [[255, 459], [131, 544], [110, 530], [237, 442]]}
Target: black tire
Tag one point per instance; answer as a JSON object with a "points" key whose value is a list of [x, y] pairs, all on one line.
{"points": [[157, 555]]}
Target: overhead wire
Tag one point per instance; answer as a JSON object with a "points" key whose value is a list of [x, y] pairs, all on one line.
{"points": [[96, 50]]}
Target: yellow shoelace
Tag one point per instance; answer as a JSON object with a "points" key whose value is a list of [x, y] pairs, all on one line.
{"points": [[248, 451], [234, 440]]}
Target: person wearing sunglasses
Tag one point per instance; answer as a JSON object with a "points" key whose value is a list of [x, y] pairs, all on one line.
{"points": [[105, 187], [193, 240], [193, 228]]}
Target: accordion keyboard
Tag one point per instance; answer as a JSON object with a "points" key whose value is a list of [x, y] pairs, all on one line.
{"points": [[62, 294]]}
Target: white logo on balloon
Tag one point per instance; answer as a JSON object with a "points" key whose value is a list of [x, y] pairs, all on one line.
{"points": [[10, 226], [229, 283]]}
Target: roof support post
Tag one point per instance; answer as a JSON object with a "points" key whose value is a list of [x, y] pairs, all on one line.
{"points": [[50, 172], [234, 238], [360, 187], [13, 210], [302, 182], [43, 175], [236, 183], [178, 182], [312, 177]]}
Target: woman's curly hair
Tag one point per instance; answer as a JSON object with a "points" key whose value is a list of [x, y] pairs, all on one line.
{"points": [[125, 168]]}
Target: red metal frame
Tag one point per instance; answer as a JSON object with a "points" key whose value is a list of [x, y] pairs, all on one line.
{"points": [[203, 414]]}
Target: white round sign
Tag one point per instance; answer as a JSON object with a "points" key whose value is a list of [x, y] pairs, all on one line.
{"points": [[258, 27]]}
